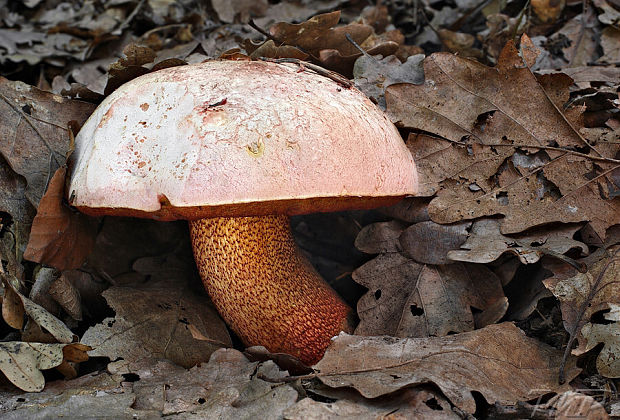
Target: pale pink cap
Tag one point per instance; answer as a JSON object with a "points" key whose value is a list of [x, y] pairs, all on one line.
{"points": [[237, 138]]}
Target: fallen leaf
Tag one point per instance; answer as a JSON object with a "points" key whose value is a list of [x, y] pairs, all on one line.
{"points": [[271, 50], [128, 67], [610, 42], [372, 76], [498, 361], [22, 362], [239, 10], [494, 157], [408, 404], [430, 243], [16, 221], [380, 237], [34, 125], [67, 296], [18, 304], [39, 293], [581, 295], [411, 210], [486, 244], [319, 33], [228, 386], [570, 405], [406, 299], [607, 362], [90, 395], [60, 236], [152, 318]]}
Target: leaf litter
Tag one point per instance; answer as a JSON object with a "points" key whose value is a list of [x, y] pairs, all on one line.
{"points": [[537, 150]]}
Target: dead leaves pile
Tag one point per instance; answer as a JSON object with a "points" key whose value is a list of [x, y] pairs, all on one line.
{"points": [[513, 178], [518, 202]]}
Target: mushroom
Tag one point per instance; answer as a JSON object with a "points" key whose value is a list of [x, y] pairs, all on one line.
{"points": [[236, 147]]}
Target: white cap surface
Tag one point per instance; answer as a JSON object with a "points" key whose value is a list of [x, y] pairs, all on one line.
{"points": [[237, 138]]}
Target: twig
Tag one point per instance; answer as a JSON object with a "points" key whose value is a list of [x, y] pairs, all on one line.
{"points": [[263, 32], [356, 45], [123, 25], [318, 69], [582, 310]]}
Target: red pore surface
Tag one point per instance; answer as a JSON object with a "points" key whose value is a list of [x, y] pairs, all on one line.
{"points": [[237, 138]]}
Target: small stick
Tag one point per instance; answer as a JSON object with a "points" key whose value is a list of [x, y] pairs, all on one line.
{"points": [[318, 69]]}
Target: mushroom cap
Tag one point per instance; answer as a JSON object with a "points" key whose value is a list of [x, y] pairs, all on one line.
{"points": [[237, 138]]}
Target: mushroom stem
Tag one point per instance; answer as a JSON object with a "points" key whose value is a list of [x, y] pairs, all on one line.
{"points": [[264, 287]]}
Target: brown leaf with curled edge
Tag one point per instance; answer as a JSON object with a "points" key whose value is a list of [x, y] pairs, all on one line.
{"points": [[486, 244], [67, 296], [34, 132], [306, 34], [130, 66], [406, 299], [318, 33], [60, 237], [22, 362], [582, 295], [499, 361], [271, 50], [506, 146]]}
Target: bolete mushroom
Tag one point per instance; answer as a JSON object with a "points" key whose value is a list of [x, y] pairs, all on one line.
{"points": [[236, 147]]}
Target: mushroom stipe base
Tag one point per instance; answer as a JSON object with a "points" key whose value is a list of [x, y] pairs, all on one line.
{"points": [[264, 288]]}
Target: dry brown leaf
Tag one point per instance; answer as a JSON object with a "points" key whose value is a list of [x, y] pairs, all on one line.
{"points": [[22, 362], [572, 405], [372, 76], [67, 296], [416, 404], [493, 120], [16, 223], [39, 293], [18, 305], [610, 42], [128, 67], [548, 11], [12, 307], [430, 243], [239, 11], [152, 318], [226, 387], [406, 299], [607, 362], [583, 294], [411, 210], [499, 361], [319, 33], [34, 128], [380, 237], [60, 236], [271, 50], [486, 244], [306, 34]]}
